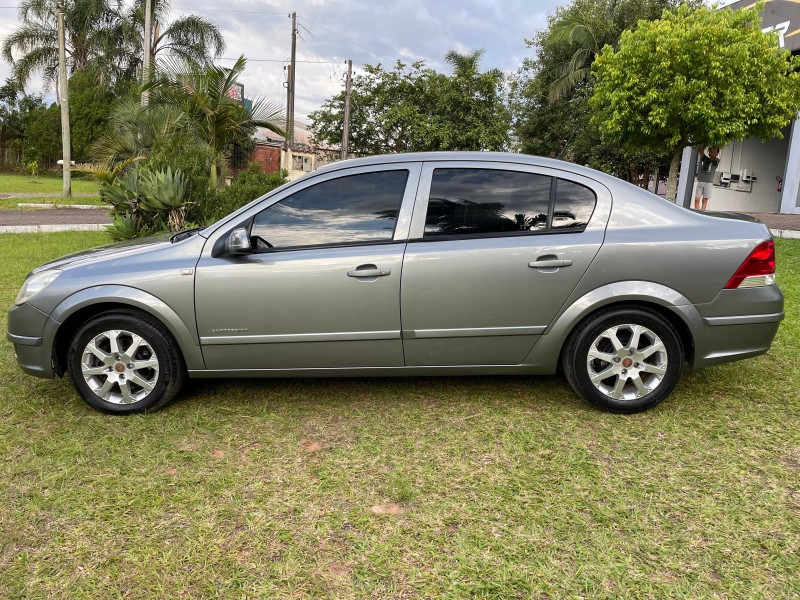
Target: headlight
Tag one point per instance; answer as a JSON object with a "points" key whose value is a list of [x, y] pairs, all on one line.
{"points": [[35, 284]]}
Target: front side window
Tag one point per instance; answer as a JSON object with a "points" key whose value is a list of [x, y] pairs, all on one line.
{"points": [[354, 209], [486, 201]]}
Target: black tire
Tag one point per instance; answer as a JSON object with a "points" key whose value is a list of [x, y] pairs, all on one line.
{"points": [[156, 363], [630, 373]]}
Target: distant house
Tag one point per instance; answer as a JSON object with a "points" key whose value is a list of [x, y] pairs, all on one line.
{"points": [[272, 152]]}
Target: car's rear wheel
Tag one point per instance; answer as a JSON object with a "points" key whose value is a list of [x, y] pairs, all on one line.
{"points": [[624, 360], [125, 362]]}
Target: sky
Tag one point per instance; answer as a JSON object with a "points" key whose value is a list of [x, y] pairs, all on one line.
{"points": [[365, 31]]}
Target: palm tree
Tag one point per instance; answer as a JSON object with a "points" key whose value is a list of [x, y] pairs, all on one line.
{"points": [[102, 36], [191, 39], [576, 70], [132, 130], [203, 94], [93, 38]]}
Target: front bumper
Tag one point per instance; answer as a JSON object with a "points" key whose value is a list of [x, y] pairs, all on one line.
{"points": [[26, 326]]}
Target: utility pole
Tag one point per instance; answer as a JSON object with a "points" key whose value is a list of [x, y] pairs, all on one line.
{"points": [[147, 47], [62, 83], [346, 127], [290, 89]]}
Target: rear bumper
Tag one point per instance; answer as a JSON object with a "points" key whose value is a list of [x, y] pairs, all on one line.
{"points": [[726, 343], [738, 324]]}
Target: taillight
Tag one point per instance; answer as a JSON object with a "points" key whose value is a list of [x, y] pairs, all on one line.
{"points": [[757, 269]]}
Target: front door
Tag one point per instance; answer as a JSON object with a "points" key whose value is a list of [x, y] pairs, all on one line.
{"points": [[320, 289]]}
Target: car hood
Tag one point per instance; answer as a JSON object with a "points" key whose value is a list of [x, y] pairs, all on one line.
{"points": [[116, 250]]}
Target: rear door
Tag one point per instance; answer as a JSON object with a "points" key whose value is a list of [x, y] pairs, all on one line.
{"points": [[494, 252]]}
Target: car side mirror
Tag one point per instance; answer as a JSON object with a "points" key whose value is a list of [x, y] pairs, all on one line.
{"points": [[238, 242]]}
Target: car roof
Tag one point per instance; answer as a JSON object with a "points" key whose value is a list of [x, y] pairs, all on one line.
{"points": [[505, 157]]}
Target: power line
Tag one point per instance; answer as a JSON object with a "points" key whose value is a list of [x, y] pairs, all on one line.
{"points": [[344, 38], [225, 10], [318, 62]]}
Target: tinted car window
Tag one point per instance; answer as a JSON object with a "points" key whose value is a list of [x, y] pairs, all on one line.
{"points": [[479, 201], [353, 209], [574, 205]]}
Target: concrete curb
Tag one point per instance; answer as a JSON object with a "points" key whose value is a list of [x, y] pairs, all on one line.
{"points": [[786, 233], [51, 205], [52, 228]]}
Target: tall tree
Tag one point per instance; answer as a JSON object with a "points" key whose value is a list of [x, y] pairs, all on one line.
{"points": [[16, 107], [90, 104], [550, 92], [415, 108], [202, 93], [190, 38], [705, 76], [93, 39], [103, 36]]}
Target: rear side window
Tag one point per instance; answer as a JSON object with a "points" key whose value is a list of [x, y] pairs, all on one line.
{"points": [[574, 205], [486, 201], [475, 202], [355, 209]]}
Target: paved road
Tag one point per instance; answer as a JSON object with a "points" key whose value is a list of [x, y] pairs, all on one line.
{"points": [[55, 216]]}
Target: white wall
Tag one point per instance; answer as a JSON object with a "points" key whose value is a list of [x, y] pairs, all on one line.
{"points": [[766, 161]]}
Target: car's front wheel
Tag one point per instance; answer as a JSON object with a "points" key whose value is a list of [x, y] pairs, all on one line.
{"points": [[624, 359], [125, 362]]}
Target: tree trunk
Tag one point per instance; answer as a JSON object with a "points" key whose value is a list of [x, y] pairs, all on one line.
{"points": [[674, 171], [214, 176], [656, 175]]}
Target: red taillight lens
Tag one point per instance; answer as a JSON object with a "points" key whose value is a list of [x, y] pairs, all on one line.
{"points": [[760, 264]]}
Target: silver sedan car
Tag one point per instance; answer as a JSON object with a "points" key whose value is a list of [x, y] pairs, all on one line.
{"points": [[416, 264]]}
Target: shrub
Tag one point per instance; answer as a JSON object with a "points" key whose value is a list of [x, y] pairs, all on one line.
{"points": [[247, 186], [182, 153], [145, 201]]}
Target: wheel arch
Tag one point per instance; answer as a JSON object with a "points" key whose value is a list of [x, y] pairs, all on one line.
{"points": [[76, 309], [670, 304]]}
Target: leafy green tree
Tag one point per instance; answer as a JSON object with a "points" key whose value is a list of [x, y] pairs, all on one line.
{"points": [[549, 97], [704, 76], [43, 134], [16, 108], [585, 26], [89, 107], [201, 93], [414, 108]]}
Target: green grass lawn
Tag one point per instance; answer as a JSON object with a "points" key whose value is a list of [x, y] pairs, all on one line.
{"points": [[494, 487], [24, 184]]}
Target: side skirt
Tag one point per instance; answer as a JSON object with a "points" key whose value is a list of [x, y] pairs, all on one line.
{"points": [[377, 372]]}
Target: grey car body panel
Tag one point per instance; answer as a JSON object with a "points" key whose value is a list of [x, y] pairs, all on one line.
{"points": [[299, 307], [636, 248], [185, 335], [478, 301]]}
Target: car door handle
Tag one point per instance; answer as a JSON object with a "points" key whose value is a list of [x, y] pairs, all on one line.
{"points": [[550, 264], [369, 272]]}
